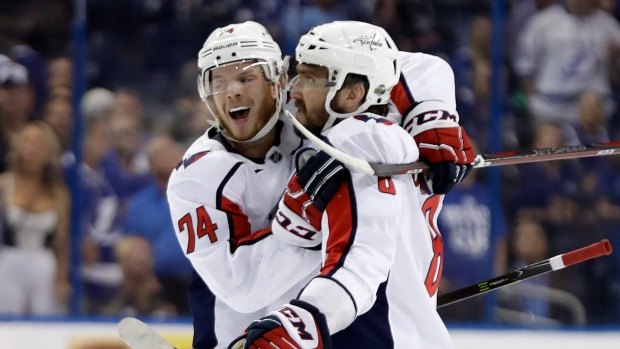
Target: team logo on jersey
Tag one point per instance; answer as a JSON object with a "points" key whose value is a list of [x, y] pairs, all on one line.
{"points": [[193, 158], [371, 41]]}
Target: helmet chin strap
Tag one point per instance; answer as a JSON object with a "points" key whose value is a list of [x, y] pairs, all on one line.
{"points": [[260, 134]]}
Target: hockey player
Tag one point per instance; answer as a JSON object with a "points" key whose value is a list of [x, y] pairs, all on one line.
{"points": [[222, 193], [381, 256]]}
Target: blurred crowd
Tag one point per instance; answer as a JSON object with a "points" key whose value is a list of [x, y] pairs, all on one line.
{"points": [[561, 86]]}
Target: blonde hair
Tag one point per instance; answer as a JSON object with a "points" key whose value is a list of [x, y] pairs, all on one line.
{"points": [[52, 170]]}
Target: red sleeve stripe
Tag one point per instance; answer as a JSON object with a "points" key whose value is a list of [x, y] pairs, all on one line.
{"points": [[238, 222], [342, 221], [254, 237], [402, 97]]}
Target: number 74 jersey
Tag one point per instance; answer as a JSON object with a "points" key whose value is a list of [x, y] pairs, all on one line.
{"points": [[220, 203]]}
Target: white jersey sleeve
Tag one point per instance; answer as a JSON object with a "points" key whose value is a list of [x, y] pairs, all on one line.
{"points": [[361, 221], [381, 251], [219, 201], [425, 95]]}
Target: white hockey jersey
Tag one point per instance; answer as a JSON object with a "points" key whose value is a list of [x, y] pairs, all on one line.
{"points": [[219, 202], [382, 251], [423, 78], [379, 248]]}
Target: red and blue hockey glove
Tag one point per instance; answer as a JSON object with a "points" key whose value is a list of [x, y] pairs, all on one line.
{"points": [[449, 154], [298, 325], [318, 178]]}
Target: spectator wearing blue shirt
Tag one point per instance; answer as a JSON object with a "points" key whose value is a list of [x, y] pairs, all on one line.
{"points": [[102, 225], [148, 216]]}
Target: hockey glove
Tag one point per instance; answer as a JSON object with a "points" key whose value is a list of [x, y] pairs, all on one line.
{"points": [[449, 155], [318, 178], [298, 325]]}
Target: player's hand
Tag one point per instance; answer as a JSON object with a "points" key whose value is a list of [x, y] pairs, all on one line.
{"points": [[298, 325], [318, 178], [449, 154]]}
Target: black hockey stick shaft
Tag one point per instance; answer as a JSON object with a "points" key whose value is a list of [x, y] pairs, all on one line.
{"points": [[598, 249], [482, 160], [510, 158]]}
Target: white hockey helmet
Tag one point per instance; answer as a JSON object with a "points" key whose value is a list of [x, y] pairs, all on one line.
{"points": [[237, 43], [352, 47]]}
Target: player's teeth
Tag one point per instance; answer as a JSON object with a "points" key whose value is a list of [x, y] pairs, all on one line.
{"points": [[237, 109]]}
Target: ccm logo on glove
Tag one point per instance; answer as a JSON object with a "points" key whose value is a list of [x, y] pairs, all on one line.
{"points": [[298, 230]]}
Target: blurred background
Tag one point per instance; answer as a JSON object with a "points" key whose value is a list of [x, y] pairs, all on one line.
{"points": [[98, 102]]}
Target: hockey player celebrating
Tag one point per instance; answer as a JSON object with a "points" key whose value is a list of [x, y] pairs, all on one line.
{"points": [[222, 193], [381, 257]]}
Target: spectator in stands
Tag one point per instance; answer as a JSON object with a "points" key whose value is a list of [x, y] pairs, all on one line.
{"points": [[125, 164], [565, 51], [299, 20], [60, 77], [58, 113], [11, 75], [102, 225], [555, 185], [592, 126], [472, 73], [148, 216], [188, 121], [142, 293], [16, 98], [529, 245], [519, 14], [128, 103], [34, 263], [472, 251]]}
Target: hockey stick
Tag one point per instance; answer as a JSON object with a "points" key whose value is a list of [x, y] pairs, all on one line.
{"points": [[481, 160], [558, 262], [139, 335]]}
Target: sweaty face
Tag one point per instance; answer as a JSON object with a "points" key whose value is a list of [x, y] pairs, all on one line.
{"points": [[241, 98], [309, 91]]}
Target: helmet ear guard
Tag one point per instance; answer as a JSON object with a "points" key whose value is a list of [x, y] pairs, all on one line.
{"points": [[345, 47]]}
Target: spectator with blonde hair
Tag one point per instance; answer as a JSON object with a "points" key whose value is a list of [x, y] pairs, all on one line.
{"points": [[34, 266]]}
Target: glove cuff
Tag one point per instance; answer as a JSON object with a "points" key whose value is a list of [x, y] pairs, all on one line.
{"points": [[305, 324], [319, 318]]}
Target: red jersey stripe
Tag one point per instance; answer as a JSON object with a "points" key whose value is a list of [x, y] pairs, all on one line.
{"points": [[401, 98], [239, 223], [254, 237], [342, 223]]}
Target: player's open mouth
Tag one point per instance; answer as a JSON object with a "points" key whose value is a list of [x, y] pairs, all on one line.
{"points": [[239, 113]]}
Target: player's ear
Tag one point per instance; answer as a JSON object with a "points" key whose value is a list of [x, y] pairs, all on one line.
{"points": [[357, 94], [352, 97], [273, 90]]}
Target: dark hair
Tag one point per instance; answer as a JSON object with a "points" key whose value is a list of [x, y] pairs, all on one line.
{"points": [[354, 79]]}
